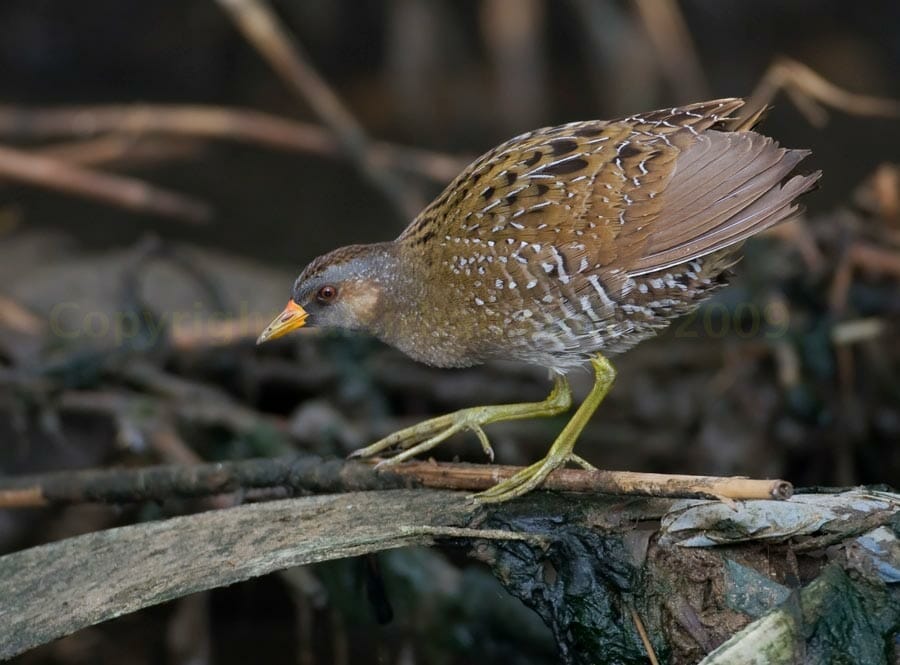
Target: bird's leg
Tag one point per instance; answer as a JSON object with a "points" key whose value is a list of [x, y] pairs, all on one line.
{"points": [[561, 450], [428, 434]]}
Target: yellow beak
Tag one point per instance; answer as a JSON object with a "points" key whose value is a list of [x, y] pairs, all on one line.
{"points": [[293, 317]]}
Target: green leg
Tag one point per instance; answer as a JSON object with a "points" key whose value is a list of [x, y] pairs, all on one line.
{"points": [[426, 435], [561, 451]]}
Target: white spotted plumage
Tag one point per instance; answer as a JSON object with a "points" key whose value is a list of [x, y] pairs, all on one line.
{"points": [[570, 240]]}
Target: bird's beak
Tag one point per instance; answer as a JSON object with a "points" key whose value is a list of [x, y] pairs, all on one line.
{"points": [[293, 317]]}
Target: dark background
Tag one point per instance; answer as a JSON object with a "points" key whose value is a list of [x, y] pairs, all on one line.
{"points": [[731, 391]]}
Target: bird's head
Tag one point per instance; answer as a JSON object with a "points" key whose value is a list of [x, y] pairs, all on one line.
{"points": [[345, 288]]}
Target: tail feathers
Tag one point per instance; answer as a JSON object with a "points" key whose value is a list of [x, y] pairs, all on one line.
{"points": [[748, 122], [726, 187]]}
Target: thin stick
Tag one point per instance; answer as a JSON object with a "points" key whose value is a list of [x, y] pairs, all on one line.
{"points": [[636, 618], [671, 38], [226, 332], [118, 190], [27, 497], [516, 45], [483, 476], [464, 532], [167, 481], [314, 474], [222, 123], [122, 149], [17, 317], [267, 34], [870, 258], [807, 89]]}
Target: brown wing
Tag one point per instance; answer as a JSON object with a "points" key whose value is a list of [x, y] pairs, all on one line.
{"points": [[620, 198]]}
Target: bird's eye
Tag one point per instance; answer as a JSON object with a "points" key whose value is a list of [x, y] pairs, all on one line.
{"points": [[326, 294]]}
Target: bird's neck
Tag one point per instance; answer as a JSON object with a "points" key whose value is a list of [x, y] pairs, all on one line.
{"points": [[411, 314], [398, 291], [399, 317]]}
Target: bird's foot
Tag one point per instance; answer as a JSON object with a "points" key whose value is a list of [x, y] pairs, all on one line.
{"points": [[524, 481], [532, 476], [561, 451], [412, 441]]}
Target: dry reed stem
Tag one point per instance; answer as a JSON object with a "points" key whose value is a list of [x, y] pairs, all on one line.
{"points": [[266, 33], [121, 191], [214, 122], [808, 90], [482, 476]]}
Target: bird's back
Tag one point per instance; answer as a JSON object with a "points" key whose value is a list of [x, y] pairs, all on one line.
{"points": [[590, 236]]}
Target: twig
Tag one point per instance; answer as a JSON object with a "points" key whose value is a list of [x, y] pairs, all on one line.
{"points": [[200, 411], [478, 534], [797, 233], [193, 335], [674, 46], [807, 89], [882, 260], [27, 497], [118, 190], [515, 44], [642, 632], [857, 330], [18, 318], [483, 476], [231, 124], [313, 474], [203, 334], [267, 34], [168, 481], [125, 149], [880, 194]]}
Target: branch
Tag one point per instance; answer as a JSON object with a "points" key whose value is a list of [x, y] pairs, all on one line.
{"points": [[126, 151], [230, 124], [262, 28], [676, 54], [16, 317], [482, 476], [808, 90], [118, 190], [317, 475], [157, 483]]}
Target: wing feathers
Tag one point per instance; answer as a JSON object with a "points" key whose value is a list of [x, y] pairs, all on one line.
{"points": [[725, 188]]}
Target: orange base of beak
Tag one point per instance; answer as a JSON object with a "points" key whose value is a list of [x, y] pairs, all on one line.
{"points": [[293, 317]]}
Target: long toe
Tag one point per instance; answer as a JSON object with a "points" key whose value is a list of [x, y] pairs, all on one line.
{"points": [[516, 485], [425, 446], [407, 437]]}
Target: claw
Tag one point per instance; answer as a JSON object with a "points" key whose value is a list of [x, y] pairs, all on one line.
{"points": [[485, 442], [583, 463]]}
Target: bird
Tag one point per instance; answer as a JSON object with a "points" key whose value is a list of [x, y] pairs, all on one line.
{"points": [[559, 248]]}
